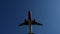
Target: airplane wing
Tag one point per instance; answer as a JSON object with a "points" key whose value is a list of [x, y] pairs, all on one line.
{"points": [[36, 23], [23, 24]]}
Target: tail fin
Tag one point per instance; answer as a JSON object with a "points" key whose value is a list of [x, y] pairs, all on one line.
{"points": [[29, 15]]}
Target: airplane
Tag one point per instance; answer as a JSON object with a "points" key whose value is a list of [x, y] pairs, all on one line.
{"points": [[30, 22]]}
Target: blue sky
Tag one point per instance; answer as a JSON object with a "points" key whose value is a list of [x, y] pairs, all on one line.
{"points": [[13, 12]]}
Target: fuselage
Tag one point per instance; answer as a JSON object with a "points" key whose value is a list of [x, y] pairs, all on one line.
{"points": [[30, 21]]}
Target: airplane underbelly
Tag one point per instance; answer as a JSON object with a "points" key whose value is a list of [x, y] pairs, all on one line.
{"points": [[30, 23]]}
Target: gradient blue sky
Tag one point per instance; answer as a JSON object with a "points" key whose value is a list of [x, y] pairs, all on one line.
{"points": [[13, 12]]}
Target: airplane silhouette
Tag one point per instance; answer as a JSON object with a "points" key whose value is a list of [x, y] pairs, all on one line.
{"points": [[30, 22]]}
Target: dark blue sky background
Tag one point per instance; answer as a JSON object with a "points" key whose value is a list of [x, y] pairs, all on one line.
{"points": [[13, 12]]}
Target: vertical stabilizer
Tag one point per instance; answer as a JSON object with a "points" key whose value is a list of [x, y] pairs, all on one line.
{"points": [[29, 15]]}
